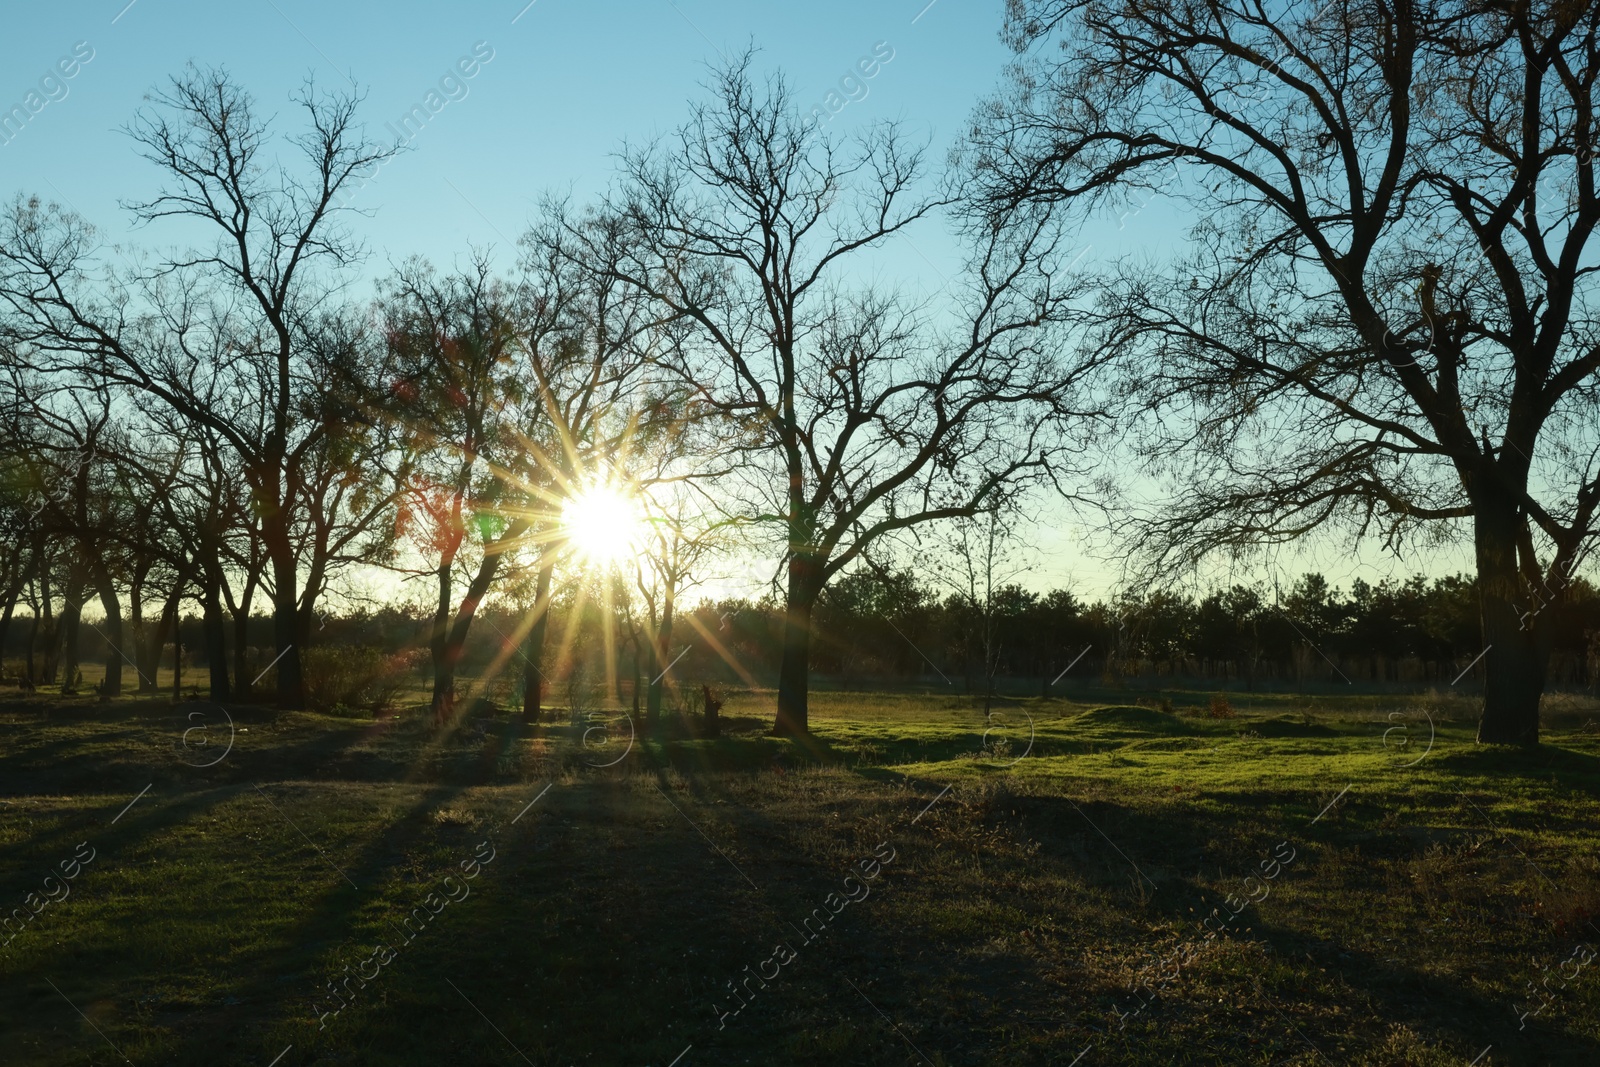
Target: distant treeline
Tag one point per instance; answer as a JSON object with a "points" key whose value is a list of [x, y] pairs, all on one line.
{"points": [[890, 629], [1408, 632]]}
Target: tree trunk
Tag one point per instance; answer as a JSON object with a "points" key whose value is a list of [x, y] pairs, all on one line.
{"points": [[285, 615], [37, 608], [33, 643], [991, 658], [660, 659], [155, 640], [444, 668], [165, 628], [71, 616], [32, 647], [112, 685], [13, 591], [145, 657], [5, 628], [51, 629], [241, 637], [1518, 644], [215, 640], [452, 636], [305, 631], [177, 655], [638, 676], [794, 673], [532, 675]]}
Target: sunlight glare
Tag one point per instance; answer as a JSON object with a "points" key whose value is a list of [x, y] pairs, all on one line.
{"points": [[602, 524]]}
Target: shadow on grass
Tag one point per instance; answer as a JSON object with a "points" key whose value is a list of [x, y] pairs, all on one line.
{"points": [[1572, 768], [1137, 857]]}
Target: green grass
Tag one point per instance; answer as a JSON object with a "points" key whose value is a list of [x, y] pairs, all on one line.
{"points": [[1076, 846]]}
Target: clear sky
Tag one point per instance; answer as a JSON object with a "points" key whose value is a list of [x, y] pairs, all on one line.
{"points": [[566, 83]]}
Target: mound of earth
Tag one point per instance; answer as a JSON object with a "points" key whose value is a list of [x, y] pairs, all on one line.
{"points": [[1134, 718]]}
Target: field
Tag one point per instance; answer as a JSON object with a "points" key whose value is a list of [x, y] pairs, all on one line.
{"points": [[914, 888]]}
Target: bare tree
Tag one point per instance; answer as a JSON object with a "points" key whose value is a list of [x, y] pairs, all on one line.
{"points": [[200, 510], [351, 477], [587, 339], [16, 557], [853, 418], [455, 399], [223, 335], [1386, 321], [71, 444], [158, 476], [685, 532], [980, 563]]}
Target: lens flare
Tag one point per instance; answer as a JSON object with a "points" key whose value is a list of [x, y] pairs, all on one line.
{"points": [[602, 525]]}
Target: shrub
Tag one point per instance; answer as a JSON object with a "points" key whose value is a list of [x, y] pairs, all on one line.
{"points": [[1220, 708], [356, 676]]}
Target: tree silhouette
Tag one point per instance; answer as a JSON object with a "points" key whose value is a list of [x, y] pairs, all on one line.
{"points": [[1386, 317]]}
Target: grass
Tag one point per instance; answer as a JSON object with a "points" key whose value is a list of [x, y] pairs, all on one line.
{"points": [[1051, 870]]}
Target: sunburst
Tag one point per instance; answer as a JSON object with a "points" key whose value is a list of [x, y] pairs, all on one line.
{"points": [[602, 524]]}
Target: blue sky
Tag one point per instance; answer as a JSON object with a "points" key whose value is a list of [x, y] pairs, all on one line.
{"points": [[567, 83]]}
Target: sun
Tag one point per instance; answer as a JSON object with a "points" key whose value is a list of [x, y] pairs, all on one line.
{"points": [[602, 524]]}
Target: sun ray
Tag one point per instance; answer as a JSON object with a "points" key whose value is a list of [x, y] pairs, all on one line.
{"points": [[571, 631]]}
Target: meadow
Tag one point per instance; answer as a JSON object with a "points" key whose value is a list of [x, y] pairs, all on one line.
{"points": [[1164, 878]]}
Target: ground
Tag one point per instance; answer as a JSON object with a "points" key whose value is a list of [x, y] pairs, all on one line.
{"points": [[914, 888]]}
